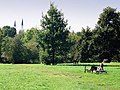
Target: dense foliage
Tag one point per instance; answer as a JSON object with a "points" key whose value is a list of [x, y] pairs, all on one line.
{"points": [[55, 40], [103, 42], [54, 43]]}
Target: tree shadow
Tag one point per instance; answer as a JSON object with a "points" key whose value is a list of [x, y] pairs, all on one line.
{"points": [[87, 64]]}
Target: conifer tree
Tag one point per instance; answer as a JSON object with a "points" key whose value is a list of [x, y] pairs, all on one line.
{"points": [[55, 39]]}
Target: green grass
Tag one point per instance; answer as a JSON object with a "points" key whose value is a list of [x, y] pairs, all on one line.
{"points": [[61, 77]]}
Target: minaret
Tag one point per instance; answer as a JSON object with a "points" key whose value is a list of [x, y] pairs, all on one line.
{"points": [[15, 24], [21, 30], [22, 25]]}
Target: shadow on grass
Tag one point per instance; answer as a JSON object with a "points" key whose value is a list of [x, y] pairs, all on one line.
{"points": [[87, 64]]}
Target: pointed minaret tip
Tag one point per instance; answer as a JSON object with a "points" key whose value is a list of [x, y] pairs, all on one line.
{"points": [[22, 25], [51, 3], [15, 24], [22, 22]]}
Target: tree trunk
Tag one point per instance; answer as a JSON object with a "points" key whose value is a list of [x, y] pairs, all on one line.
{"points": [[53, 57]]}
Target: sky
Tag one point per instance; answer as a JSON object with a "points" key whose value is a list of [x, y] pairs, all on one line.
{"points": [[79, 13]]}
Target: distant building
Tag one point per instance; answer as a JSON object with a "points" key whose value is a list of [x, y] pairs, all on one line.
{"points": [[15, 24], [22, 25], [21, 30]]}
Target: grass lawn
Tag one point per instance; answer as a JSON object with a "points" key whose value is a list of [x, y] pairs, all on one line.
{"points": [[60, 77]]}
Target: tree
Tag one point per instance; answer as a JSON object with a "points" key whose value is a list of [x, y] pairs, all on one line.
{"points": [[7, 35], [1, 37], [30, 40], [9, 31], [7, 52], [56, 34], [82, 49], [108, 30], [19, 50], [73, 38]]}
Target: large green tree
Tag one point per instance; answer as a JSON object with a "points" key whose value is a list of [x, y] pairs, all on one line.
{"points": [[30, 40], [107, 33], [54, 25], [7, 34], [19, 50]]}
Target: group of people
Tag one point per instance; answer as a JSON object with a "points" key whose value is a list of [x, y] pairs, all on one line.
{"points": [[97, 69]]}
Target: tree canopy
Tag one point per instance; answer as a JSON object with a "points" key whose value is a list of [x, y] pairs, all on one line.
{"points": [[54, 43], [54, 25]]}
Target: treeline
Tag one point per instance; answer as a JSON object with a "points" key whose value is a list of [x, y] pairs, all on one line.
{"points": [[54, 43]]}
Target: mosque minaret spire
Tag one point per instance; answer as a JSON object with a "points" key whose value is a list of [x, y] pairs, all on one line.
{"points": [[22, 25]]}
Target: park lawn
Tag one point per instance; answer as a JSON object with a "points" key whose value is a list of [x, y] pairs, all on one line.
{"points": [[60, 77]]}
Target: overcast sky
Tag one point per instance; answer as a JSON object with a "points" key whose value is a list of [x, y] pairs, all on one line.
{"points": [[79, 13]]}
